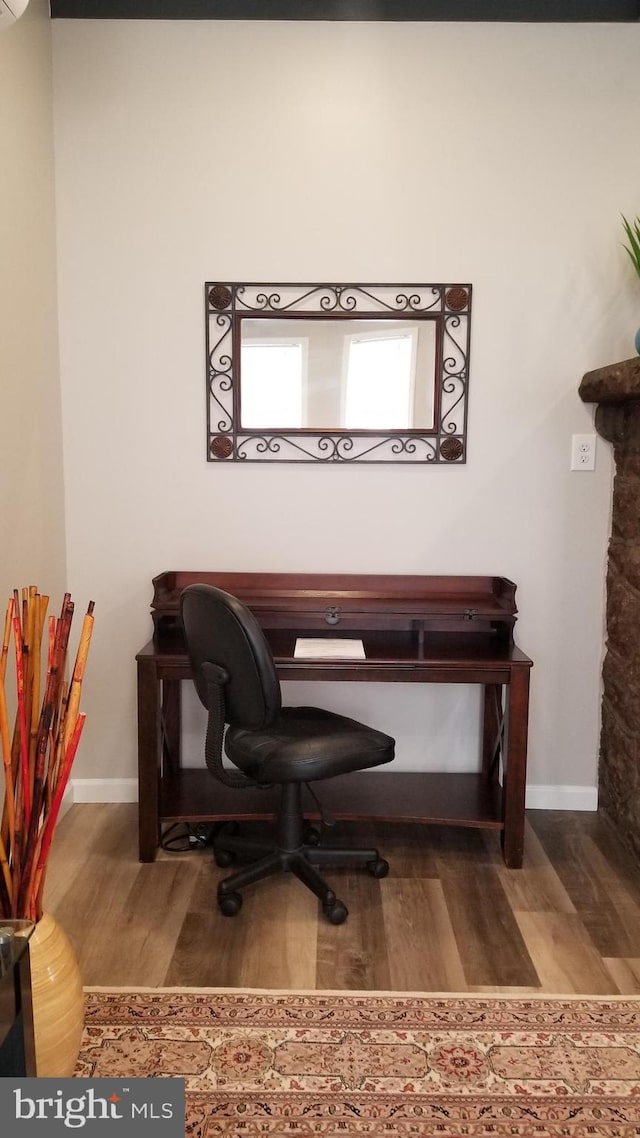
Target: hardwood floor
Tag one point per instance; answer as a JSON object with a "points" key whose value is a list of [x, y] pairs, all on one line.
{"points": [[449, 918]]}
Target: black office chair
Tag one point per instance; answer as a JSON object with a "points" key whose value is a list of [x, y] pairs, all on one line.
{"points": [[236, 680]]}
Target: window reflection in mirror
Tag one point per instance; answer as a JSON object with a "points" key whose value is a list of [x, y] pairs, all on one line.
{"points": [[327, 374], [274, 383]]}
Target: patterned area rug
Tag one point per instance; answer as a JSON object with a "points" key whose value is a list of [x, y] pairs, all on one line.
{"points": [[340, 1065]]}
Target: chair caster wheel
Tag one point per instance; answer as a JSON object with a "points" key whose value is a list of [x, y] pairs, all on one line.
{"points": [[312, 836], [230, 904], [378, 868], [337, 913], [223, 858]]}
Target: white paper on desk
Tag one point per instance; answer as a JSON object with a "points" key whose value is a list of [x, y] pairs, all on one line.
{"points": [[323, 648]]}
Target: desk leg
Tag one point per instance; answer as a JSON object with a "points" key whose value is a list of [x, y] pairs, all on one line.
{"points": [[515, 768], [148, 760]]}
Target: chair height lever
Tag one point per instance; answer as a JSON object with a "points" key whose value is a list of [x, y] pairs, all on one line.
{"points": [[326, 817]]}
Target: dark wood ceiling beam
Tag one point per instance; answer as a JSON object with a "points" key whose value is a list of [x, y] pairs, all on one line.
{"points": [[513, 11]]}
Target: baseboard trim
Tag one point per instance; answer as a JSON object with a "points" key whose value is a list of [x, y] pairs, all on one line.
{"points": [[538, 797], [105, 789], [562, 797]]}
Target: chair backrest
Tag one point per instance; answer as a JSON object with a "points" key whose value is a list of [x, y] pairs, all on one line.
{"points": [[220, 630]]}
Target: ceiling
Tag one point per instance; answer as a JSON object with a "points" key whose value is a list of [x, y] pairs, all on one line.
{"points": [[515, 11]]}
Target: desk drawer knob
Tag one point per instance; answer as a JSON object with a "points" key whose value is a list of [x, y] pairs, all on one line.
{"points": [[332, 615]]}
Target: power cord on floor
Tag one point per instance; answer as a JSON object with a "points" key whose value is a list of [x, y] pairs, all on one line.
{"points": [[181, 837]]}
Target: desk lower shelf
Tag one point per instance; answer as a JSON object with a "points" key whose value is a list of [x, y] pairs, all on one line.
{"points": [[446, 799]]}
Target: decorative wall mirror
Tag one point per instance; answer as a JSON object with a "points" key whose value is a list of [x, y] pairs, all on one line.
{"points": [[337, 373]]}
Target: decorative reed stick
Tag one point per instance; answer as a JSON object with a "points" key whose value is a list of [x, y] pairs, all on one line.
{"points": [[22, 720], [37, 761], [50, 701], [5, 739], [6, 638], [49, 826]]}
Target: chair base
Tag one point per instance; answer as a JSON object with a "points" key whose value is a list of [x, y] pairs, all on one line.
{"points": [[289, 854]]}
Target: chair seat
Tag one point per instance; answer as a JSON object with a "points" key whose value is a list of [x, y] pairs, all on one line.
{"points": [[307, 743]]}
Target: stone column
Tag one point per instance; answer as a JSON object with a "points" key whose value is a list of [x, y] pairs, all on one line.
{"points": [[616, 390]]}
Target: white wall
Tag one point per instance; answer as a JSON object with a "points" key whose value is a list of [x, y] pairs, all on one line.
{"points": [[32, 540], [499, 154]]}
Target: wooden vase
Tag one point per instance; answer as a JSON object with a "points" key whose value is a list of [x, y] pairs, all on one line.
{"points": [[58, 1002]]}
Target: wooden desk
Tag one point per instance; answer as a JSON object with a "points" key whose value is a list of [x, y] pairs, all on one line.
{"points": [[415, 630]]}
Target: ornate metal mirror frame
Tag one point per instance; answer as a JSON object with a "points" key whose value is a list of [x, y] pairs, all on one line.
{"points": [[440, 313]]}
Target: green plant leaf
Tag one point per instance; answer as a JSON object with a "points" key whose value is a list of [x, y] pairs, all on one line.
{"points": [[632, 231]]}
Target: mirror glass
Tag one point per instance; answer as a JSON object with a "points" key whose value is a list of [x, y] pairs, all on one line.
{"points": [[337, 375]]}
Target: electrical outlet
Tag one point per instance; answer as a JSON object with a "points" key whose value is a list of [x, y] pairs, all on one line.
{"points": [[583, 452]]}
